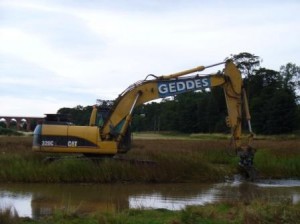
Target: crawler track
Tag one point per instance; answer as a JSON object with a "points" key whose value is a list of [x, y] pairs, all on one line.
{"points": [[50, 159]]}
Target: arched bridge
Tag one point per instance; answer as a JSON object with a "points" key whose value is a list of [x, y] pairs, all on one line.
{"points": [[20, 123]]}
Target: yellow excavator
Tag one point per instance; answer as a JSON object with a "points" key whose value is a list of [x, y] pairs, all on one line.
{"points": [[112, 136]]}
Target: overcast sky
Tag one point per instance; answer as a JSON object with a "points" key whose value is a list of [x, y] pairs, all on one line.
{"points": [[64, 53]]}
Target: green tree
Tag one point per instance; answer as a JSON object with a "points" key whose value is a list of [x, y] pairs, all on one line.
{"points": [[169, 116], [146, 117], [273, 107], [291, 78], [79, 115], [216, 111], [187, 108], [246, 62]]}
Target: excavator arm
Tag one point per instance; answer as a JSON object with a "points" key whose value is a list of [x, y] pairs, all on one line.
{"points": [[230, 80]]}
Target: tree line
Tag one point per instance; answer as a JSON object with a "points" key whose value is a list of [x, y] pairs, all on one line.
{"points": [[273, 100]]}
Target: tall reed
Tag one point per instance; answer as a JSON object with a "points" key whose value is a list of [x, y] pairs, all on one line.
{"points": [[274, 165], [175, 161]]}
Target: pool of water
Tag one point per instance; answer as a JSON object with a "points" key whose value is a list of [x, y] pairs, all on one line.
{"points": [[36, 200]]}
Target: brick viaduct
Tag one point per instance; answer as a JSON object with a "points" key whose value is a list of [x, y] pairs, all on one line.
{"points": [[20, 123]]}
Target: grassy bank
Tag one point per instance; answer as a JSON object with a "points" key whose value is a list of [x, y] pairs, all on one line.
{"points": [[176, 160], [224, 212]]}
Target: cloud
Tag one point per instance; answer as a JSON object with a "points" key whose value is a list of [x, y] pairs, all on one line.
{"points": [[59, 29], [16, 106], [79, 51]]}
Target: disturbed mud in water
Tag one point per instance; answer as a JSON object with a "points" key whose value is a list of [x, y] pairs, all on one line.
{"points": [[36, 200]]}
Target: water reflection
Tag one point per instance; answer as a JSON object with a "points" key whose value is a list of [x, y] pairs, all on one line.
{"points": [[36, 200], [172, 203], [16, 202]]}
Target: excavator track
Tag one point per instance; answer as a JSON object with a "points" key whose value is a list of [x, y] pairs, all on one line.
{"points": [[50, 159]]}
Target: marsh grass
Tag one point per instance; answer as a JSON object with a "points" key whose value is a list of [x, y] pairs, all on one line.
{"points": [[176, 161], [273, 165], [257, 211], [15, 168], [278, 158]]}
